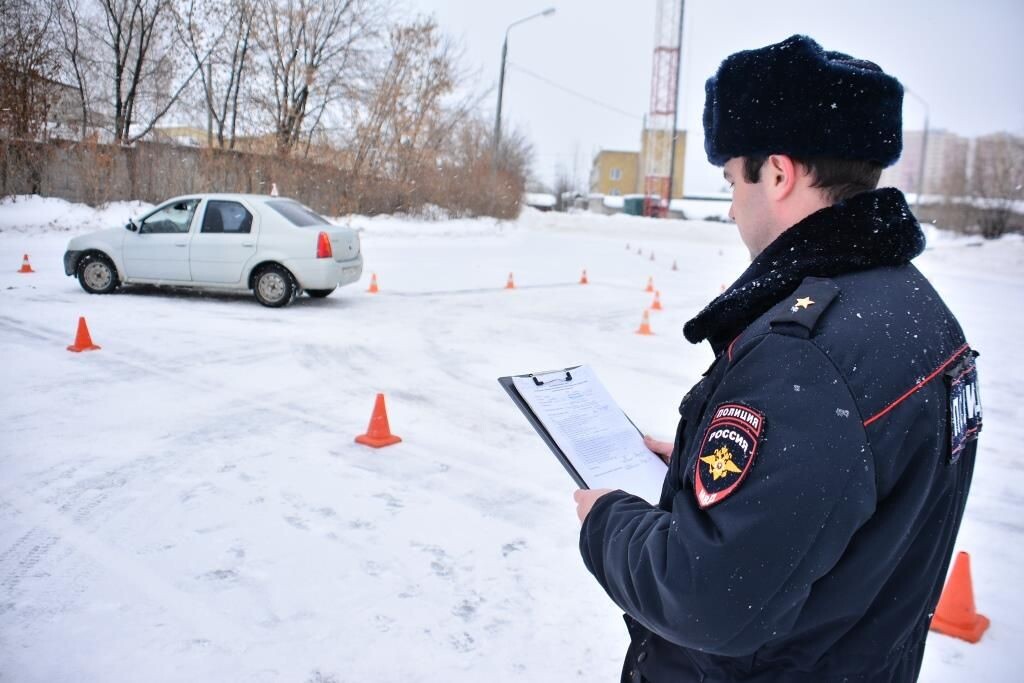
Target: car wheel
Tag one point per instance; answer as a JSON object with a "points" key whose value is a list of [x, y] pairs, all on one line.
{"points": [[96, 274], [274, 286], [319, 293]]}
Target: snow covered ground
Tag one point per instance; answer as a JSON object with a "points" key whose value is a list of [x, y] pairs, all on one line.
{"points": [[187, 504]]}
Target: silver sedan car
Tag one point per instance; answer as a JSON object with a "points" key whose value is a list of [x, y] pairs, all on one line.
{"points": [[273, 246]]}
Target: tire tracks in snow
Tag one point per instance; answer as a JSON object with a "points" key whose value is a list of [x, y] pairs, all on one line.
{"points": [[494, 290], [50, 529], [415, 463]]}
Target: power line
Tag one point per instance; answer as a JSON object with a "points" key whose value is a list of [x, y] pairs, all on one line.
{"points": [[572, 92]]}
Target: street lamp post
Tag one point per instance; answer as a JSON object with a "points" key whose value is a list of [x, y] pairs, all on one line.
{"points": [[501, 76], [924, 148]]}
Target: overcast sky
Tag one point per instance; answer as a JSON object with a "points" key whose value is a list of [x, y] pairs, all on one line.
{"points": [[965, 59]]}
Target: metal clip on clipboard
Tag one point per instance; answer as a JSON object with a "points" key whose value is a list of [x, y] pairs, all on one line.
{"points": [[575, 395], [539, 382]]}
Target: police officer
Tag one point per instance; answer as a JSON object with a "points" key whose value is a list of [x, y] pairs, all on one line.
{"points": [[821, 466]]}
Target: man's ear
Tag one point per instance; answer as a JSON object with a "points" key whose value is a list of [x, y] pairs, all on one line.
{"points": [[780, 176]]}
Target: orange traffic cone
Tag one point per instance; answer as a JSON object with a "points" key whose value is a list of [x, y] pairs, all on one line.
{"points": [[645, 325], [26, 267], [378, 434], [373, 284], [511, 284], [674, 266], [83, 342], [650, 285], [656, 306], [583, 278], [956, 615]]}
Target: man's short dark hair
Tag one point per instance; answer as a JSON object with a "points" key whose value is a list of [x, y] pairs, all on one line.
{"points": [[839, 178]]}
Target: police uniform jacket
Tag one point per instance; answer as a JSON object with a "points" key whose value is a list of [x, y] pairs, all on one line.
{"points": [[819, 473]]}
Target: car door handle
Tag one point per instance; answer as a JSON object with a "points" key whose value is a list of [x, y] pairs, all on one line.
{"points": [[181, 244], [248, 244]]}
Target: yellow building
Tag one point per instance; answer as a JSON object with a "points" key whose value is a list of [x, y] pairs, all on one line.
{"points": [[617, 172]]}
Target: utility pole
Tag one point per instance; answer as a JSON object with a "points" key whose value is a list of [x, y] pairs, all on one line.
{"points": [[501, 77], [924, 149], [501, 89]]}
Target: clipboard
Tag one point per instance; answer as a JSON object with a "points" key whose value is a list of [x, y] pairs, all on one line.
{"points": [[564, 375], [540, 378]]}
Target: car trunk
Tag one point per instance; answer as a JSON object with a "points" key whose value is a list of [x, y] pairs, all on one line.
{"points": [[344, 242]]}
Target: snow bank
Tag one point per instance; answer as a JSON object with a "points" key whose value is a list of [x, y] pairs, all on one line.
{"points": [[32, 213]]}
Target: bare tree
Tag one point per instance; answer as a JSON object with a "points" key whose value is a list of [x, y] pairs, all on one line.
{"points": [[997, 181], [312, 51], [406, 123], [388, 102], [76, 62], [564, 187], [143, 62], [219, 37], [480, 183], [515, 155], [28, 63]]}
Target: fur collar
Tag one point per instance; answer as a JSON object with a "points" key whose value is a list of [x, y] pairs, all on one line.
{"points": [[869, 230]]}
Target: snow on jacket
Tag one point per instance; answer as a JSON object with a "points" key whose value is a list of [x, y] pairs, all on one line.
{"points": [[819, 474]]}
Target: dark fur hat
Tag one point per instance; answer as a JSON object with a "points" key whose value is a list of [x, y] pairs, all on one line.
{"points": [[795, 98]]}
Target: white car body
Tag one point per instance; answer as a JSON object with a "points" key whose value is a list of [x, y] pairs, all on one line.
{"points": [[224, 250]]}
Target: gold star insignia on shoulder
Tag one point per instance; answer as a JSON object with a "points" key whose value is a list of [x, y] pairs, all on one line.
{"points": [[720, 463], [803, 302]]}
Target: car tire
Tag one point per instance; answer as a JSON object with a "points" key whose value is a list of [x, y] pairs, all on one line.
{"points": [[97, 274], [274, 286], [319, 293]]}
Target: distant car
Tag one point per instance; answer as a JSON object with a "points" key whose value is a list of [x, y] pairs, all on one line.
{"points": [[274, 246]]}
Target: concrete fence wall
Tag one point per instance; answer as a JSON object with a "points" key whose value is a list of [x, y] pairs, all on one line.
{"points": [[152, 172], [95, 173]]}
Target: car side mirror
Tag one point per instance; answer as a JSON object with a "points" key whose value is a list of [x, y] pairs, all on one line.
{"points": [[130, 225]]}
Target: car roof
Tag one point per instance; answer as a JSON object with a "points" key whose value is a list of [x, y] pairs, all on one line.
{"points": [[226, 195]]}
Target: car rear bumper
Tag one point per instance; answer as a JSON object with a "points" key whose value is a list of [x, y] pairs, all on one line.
{"points": [[326, 273]]}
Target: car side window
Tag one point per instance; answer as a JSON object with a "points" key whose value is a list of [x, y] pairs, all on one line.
{"points": [[172, 219], [226, 217]]}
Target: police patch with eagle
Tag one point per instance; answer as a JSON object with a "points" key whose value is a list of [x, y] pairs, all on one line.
{"points": [[727, 452]]}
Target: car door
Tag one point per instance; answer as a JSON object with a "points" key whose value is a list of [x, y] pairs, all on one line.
{"points": [[224, 243], [159, 249]]}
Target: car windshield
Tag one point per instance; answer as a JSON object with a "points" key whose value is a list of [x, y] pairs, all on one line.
{"points": [[297, 214], [175, 217]]}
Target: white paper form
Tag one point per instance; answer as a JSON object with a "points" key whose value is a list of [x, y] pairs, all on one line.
{"points": [[593, 432]]}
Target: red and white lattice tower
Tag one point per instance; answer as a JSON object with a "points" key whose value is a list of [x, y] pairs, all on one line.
{"points": [[659, 135]]}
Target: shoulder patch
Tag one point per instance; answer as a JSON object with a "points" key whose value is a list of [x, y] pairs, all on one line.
{"points": [[805, 306], [727, 452], [964, 404]]}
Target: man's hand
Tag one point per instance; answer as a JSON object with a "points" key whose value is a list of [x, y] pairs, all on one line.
{"points": [[585, 499], [662, 449]]}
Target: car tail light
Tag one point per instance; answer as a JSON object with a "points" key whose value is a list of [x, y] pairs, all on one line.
{"points": [[323, 246]]}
